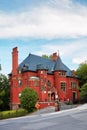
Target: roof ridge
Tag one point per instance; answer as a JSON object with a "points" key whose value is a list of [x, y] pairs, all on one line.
{"points": [[40, 56]]}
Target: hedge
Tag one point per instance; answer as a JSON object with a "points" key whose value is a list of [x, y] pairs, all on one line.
{"points": [[13, 113]]}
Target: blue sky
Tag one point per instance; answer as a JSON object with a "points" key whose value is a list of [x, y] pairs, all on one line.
{"points": [[43, 27]]}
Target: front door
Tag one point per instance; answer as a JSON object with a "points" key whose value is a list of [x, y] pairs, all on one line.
{"points": [[74, 97], [53, 96]]}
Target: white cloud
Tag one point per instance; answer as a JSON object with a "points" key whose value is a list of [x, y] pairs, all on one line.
{"points": [[74, 52], [79, 60], [61, 19], [67, 48]]}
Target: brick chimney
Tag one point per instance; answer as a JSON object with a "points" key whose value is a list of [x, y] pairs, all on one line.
{"points": [[54, 57], [14, 61]]}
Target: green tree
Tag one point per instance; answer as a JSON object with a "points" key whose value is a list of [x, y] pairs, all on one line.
{"points": [[0, 67], [83, 93], [45, 56], [28, 99], [4, 92], [82, 73]]}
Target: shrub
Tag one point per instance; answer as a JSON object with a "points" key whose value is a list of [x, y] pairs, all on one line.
{"points": [[12, 113], [28, 99], [83, 93]]}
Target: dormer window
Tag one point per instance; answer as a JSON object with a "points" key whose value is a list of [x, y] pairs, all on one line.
{"points": [[41, 71], [62, 73], [25, 67]]}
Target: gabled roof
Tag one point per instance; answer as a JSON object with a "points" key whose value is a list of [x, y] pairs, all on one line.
{"points": [[34, 63]]}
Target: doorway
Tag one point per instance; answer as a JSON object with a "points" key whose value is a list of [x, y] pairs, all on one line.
{"points": [[74, 97], [53, 96]]}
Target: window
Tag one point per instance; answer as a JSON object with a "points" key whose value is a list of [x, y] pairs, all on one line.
{"points": [[41, 72], [73, 85], [63, 86], [19, 71], [19, 95], [42, 81], [36, 83], [49, 83], [45, 72], [19, 82], [62, 73]]}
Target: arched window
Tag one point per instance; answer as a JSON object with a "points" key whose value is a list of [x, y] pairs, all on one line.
{"points": [[35, 79]]}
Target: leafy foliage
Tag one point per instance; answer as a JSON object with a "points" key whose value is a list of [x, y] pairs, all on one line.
{"points": [[83, 93], [28, 99], [4, 92], [45, 56], [12, 113], [82, 73]]}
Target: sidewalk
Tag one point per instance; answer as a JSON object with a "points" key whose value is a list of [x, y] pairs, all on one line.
{"points": [[64, 106], [45, 110], [52, 109]]}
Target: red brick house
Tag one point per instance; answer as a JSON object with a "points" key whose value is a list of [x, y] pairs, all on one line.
{"points": [[51, 79]]}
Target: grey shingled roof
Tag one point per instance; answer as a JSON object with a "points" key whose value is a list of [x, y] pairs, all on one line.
{"points": [[33, 63], [59, 65]]}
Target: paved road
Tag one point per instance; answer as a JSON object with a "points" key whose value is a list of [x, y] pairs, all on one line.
{"points": [[71, 119]]}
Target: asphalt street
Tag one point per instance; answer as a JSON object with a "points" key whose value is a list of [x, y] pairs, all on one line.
{"points": [[70, 119]]}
